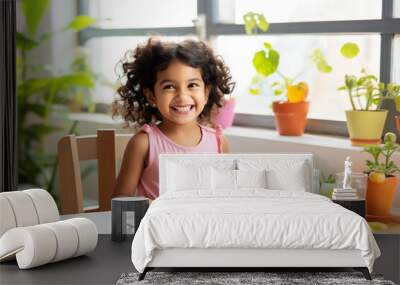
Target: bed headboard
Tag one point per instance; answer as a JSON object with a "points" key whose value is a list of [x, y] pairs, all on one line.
{"points": [[231, 161]]}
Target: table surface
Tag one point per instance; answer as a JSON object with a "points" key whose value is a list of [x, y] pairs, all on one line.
{"points": [[110, 259], [104, 265]]}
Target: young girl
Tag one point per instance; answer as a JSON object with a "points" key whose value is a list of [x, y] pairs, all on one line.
{"points": [[170, 89]]}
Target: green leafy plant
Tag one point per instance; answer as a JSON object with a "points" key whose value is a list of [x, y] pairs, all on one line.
{"points": [[266, 61], [382, 156], [365, 92], [327, 184], [327, 179], [41, 91]]}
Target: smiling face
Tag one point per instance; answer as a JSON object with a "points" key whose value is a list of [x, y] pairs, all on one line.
{"points": [[179, 93]]}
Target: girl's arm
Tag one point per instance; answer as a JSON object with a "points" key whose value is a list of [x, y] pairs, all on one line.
{"points": [[224, 144], [132, 165]]}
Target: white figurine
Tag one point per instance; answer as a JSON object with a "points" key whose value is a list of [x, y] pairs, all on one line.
{"points": [[347, 174]]}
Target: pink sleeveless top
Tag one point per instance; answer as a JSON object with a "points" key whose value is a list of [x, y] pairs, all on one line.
{"points": [[159, 143]]}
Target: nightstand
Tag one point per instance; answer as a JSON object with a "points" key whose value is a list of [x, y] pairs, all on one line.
{"points": [[357, 206]]}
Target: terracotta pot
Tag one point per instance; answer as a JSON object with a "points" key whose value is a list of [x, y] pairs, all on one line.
{"points": [[379, 198], [290, 118], [226, 114], [397, 119]]}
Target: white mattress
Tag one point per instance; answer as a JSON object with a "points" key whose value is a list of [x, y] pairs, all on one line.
{"points": [[252, 218]]}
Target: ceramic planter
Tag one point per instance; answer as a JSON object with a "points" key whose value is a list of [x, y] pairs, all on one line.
{"points": [[226, 114], [326, 189], [379, 199], [365, 127], [397, 120], [290, 118]]}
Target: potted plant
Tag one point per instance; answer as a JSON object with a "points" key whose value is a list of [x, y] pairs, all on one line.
{"points": [[225, 114], [42, 91], [381, 180], [327, 183], [397, 118], [291, 110], [366, 119]]}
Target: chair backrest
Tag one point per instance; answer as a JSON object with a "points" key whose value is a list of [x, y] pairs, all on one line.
{"points": [[106, 147]]}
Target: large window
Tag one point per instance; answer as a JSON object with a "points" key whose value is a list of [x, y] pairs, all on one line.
{"points": [[327, 102], [296, 27], [302, 10], [119, 14]]}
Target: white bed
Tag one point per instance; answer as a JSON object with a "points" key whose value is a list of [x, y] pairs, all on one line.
{"points": [[214, 211]]}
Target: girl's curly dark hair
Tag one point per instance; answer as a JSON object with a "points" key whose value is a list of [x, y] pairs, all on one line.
{"points": [[140, 69]]}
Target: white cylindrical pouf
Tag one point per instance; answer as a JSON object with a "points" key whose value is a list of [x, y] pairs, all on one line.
{"points": [[87, 234], [7, 218], [34, 246], [45, 206], [67, 240], [23, 208]]}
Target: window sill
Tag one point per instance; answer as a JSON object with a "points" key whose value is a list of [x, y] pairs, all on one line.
{"points": [[306, 139]]}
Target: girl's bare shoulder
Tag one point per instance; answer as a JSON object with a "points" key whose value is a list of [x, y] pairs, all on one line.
{"points": [[138, 144]]}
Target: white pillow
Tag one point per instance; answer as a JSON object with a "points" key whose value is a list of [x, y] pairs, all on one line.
{"points": [[282, 174], [223, 179], [251, 178], [181, 177]]}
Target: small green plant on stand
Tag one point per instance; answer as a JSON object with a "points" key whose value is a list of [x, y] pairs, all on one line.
{"points": [[382, 165], [327, 184]]}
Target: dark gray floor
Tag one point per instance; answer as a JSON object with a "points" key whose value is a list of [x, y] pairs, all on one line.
{"points": [[103, 266], [110, 259]]}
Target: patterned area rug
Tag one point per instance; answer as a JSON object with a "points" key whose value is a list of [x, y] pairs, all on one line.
{"points": [[230, 278]]}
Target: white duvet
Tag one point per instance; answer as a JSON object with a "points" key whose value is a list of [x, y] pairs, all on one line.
{"points": [[252, 218]]}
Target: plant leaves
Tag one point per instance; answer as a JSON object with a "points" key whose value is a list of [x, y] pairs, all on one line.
{"points": [[249, 22], [278, 92], [267, 45], [33, 12], [317, 57], [256, 79], [25, 43], [81, 22], [349, 50], [32, 86], [37, 132], [266, 65], [397, 103], [262, 23], [36, 108], [81, 79], [254, 91], [253, 20]]}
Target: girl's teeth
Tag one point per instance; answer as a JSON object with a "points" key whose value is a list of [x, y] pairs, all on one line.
{"points": [[183, 109]]}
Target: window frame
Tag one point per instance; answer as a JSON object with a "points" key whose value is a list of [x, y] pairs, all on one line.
{"points": [[386, 27]]}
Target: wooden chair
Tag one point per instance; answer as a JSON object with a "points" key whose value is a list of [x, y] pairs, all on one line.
{"points": [[106, 147]]}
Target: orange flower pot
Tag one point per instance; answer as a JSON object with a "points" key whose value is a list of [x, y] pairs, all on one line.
{"points": [[397, 119], [379, 198], [290, 118]]}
